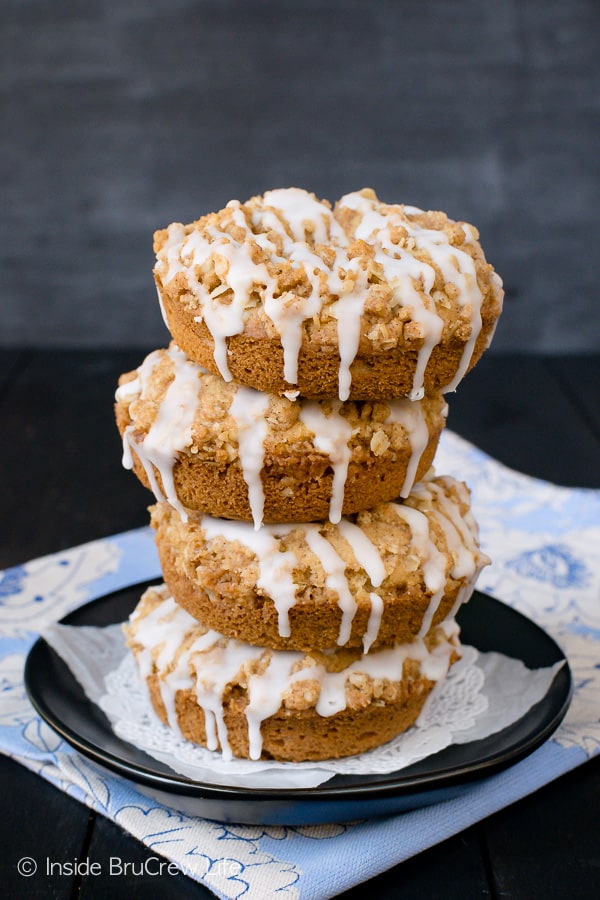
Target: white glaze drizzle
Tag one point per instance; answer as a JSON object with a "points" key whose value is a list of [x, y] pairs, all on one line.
{"points": [[353, 293], [335, 578], [364, 550], [385, 664], [160, 633], [463, 596], [460, 529], [237, 271], [402, 270], [457, 269], [248, 408], [275, 565], [171, 430], [265, 695], [178, 679], [370, 559], [410, 415], [212, 662], [296, 208], [332, 433], [214, 670], [288, 312], [432, 561], [294, 214], [374, 621], [461, 533]]}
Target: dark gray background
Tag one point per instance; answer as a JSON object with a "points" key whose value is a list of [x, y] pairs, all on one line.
{"points": [[120, 117]]}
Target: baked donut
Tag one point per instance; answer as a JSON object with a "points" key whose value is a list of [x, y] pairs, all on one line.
{"points": [[384, 576], [252, 702], [230, 451], [365, 301]]}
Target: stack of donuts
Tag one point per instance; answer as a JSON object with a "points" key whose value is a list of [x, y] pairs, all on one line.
{"points": [[313, 561]]}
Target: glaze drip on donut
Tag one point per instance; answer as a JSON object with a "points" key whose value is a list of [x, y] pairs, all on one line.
{"points": [[171, 429]]}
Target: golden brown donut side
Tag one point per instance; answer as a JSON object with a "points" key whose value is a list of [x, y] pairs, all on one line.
{"points": [[297, 488], [384, 374], [303, 735]]}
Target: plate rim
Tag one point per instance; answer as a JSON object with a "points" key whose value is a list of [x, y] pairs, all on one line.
{"points": [[393, 784]]}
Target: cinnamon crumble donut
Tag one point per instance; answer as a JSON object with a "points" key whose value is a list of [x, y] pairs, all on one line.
{"points": [[363, 301], [230, 451], [252, 702], [384, 576]]}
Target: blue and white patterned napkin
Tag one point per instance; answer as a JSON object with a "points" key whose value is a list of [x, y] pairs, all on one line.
{"points": [[544, 542]]}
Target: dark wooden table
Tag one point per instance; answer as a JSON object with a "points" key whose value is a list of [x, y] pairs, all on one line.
{"points": [[61, 483]]}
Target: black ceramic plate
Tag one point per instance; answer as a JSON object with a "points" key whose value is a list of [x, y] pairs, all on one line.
{"points": [[486, 624]]}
